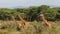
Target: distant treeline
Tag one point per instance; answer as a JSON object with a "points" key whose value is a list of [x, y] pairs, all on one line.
{"points": [[31, 13]]}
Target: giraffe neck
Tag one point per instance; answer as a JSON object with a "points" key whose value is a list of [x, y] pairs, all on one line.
{"points": [[16, 21], [43, 19], [22, 19]]}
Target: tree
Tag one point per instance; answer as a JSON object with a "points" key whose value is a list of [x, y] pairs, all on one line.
{"points": [[50, 14]]}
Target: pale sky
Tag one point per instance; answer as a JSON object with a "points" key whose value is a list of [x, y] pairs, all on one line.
{"points": [[14, 3]]}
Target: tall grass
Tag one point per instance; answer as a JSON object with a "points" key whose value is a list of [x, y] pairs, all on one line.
{"points": [[9, 27]]}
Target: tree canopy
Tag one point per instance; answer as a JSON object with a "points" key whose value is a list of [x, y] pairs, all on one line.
{"points": [[31, 13]]}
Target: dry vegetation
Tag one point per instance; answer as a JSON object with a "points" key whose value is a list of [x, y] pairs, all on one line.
{"points": [[9, 27]]}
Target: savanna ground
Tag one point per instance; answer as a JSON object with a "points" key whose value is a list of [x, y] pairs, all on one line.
{"points": [[9, 27]]}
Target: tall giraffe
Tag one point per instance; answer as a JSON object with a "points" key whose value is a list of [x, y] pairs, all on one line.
{"points": [[44, 20], [18, 24], [26, 24]]}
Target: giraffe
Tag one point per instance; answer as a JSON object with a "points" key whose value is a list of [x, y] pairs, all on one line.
{"points": [[26, 24], [18, 24], [44, 20]]}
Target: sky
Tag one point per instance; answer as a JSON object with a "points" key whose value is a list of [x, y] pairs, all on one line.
{"points": [[26, 3]]}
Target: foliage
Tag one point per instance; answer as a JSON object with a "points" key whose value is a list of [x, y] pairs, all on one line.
{"points": [[30, 13]]}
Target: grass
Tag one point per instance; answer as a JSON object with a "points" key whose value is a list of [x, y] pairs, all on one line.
{"points": [[34, 28]]}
